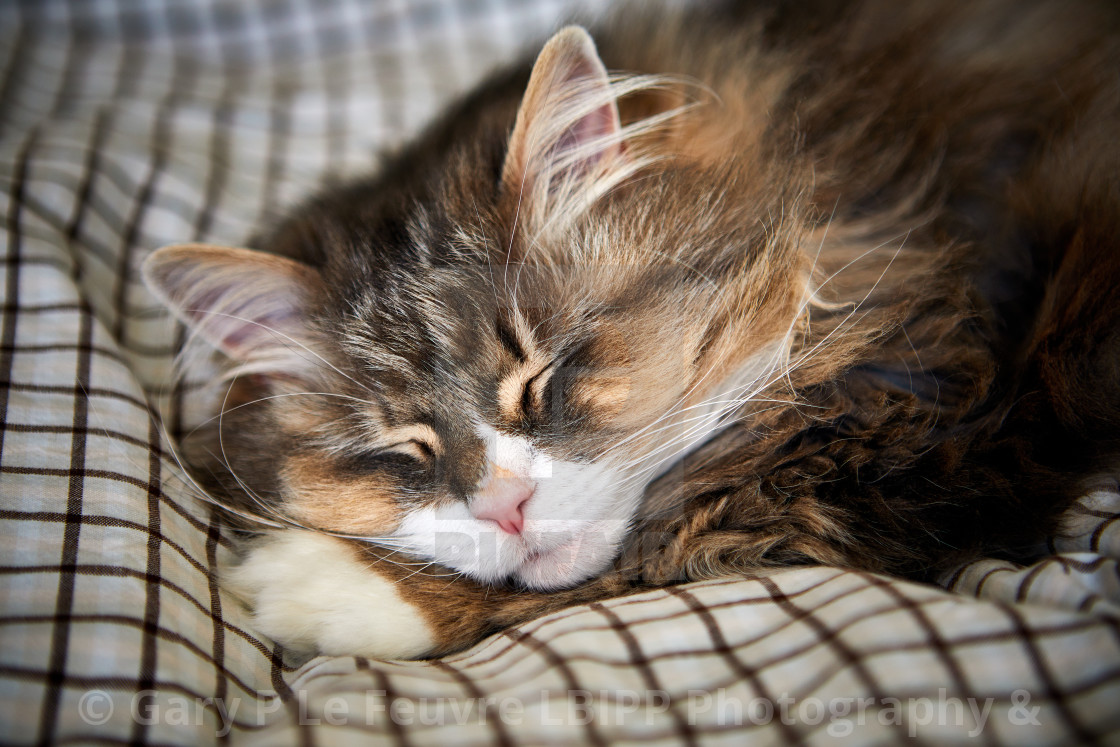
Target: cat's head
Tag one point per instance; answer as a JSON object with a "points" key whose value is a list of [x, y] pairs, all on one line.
{"points": [[485, 361]]}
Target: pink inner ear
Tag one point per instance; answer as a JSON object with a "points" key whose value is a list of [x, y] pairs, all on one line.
{"points": [[248, 304], [600, 123], [239, 322], [242, 338]]}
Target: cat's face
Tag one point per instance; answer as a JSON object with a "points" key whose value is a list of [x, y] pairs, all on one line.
{"points": [[490, 380], [519, 421], [521, 434]]}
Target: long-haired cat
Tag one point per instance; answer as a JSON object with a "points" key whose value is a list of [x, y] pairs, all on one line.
{"points": [[803, 282]]}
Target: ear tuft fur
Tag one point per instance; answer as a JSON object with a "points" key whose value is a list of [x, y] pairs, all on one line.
{"points": [[568, 121], [568, 147]]}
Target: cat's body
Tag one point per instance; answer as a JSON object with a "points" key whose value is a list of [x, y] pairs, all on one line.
{"points": [[836, 285]]}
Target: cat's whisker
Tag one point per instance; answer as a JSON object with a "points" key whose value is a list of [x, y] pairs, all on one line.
{"points": [[254, 367], [729, 401], [857, 306], [674, 449], [904, 236], [200, 493], [367, 538], [415, 572], [421, 572], [271, 397], [183, 474], [252, 494], [808, 355], [641, 477], [682, 441], [728, 407], [286, 521], [490, 262], [811, 289], [676, 410], [419, 566]]}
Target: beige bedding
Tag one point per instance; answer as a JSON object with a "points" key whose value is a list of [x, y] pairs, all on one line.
{"points": [[128, 125]]}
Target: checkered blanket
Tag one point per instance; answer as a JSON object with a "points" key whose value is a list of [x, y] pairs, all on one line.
{"points": [[126, 125]]}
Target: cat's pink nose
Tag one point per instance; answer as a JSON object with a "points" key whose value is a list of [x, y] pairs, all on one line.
{"points": [[503, 501]]}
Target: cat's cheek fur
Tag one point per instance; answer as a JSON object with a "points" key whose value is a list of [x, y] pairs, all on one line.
{"points": [[311, 592]]}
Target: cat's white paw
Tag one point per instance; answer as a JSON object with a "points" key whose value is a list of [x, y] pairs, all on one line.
{"points": [[311, 592]]}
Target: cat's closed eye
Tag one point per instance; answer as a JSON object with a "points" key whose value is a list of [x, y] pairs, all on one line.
{"points": [[413, 446], [414, 449], [522, 395], [395, 463], [533, 401], [509, 340]]}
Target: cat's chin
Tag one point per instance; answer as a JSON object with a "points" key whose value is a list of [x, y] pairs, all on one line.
{"points": [[565, 565]]}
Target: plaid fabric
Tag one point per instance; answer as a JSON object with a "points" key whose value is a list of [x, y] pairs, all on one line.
{"points": [[127, 125]]}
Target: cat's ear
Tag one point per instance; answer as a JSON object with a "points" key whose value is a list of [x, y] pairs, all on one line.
{"points": [[567, 131], [250, 305]]}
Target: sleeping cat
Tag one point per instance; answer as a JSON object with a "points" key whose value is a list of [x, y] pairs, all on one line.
{"points": [[808, 282]]}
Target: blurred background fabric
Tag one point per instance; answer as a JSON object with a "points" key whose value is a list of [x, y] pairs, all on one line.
{"points": [[128, 125]]}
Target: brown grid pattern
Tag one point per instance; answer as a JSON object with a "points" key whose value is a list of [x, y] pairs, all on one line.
{"points": [[125, 125]]}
